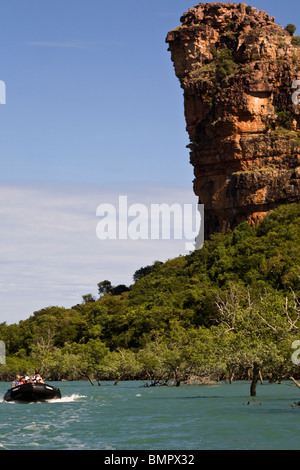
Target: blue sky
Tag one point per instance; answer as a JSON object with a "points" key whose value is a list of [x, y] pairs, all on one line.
{"points": [[93, 111], [91, 92]]}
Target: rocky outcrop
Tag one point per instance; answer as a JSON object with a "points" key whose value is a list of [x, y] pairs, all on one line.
{"points": [[237, 67]]}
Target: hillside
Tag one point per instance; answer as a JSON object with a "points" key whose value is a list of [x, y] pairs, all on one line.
{"points": [[210, 314]]}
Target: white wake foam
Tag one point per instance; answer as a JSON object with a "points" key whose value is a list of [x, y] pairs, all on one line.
{"points": [[67, 399]]}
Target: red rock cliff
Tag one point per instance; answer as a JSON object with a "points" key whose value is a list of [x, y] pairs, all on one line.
{"points": [[237, 67]]}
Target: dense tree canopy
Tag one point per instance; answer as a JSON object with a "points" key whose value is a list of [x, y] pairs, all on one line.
{"points": [[214, 313]]}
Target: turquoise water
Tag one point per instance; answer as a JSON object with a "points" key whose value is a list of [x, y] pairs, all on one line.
{"points": [[131, 417]]}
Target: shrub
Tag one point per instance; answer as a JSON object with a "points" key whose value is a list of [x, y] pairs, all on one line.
{"points": [[225, 64], [295, 40], [284, 118], [290, 28]]}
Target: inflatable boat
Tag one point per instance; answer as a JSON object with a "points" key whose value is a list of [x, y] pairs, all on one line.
{"points": [[32, 392]]}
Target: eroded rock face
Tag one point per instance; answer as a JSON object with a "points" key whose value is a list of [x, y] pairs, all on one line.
{"points": [[236, 67]]}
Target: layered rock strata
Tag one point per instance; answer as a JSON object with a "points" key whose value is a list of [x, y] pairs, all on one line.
{"points": [[237, 68]]}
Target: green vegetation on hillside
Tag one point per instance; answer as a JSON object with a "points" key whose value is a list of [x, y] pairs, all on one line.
{"points": [[216, 313]]}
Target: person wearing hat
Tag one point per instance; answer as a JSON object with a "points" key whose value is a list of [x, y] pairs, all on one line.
{"points": [[37, 378]]}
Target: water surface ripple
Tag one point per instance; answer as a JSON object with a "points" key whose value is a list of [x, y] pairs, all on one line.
{"points": [[131, 417]]}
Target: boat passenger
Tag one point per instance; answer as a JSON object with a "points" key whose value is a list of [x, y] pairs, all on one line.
{"points": [[37, 378], [15, 382]]}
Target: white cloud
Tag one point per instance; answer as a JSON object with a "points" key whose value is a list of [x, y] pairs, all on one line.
{"points": [[49, 250]]}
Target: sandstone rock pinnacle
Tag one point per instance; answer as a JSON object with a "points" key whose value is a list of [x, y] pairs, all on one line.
{"points": [[238, 70]]}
